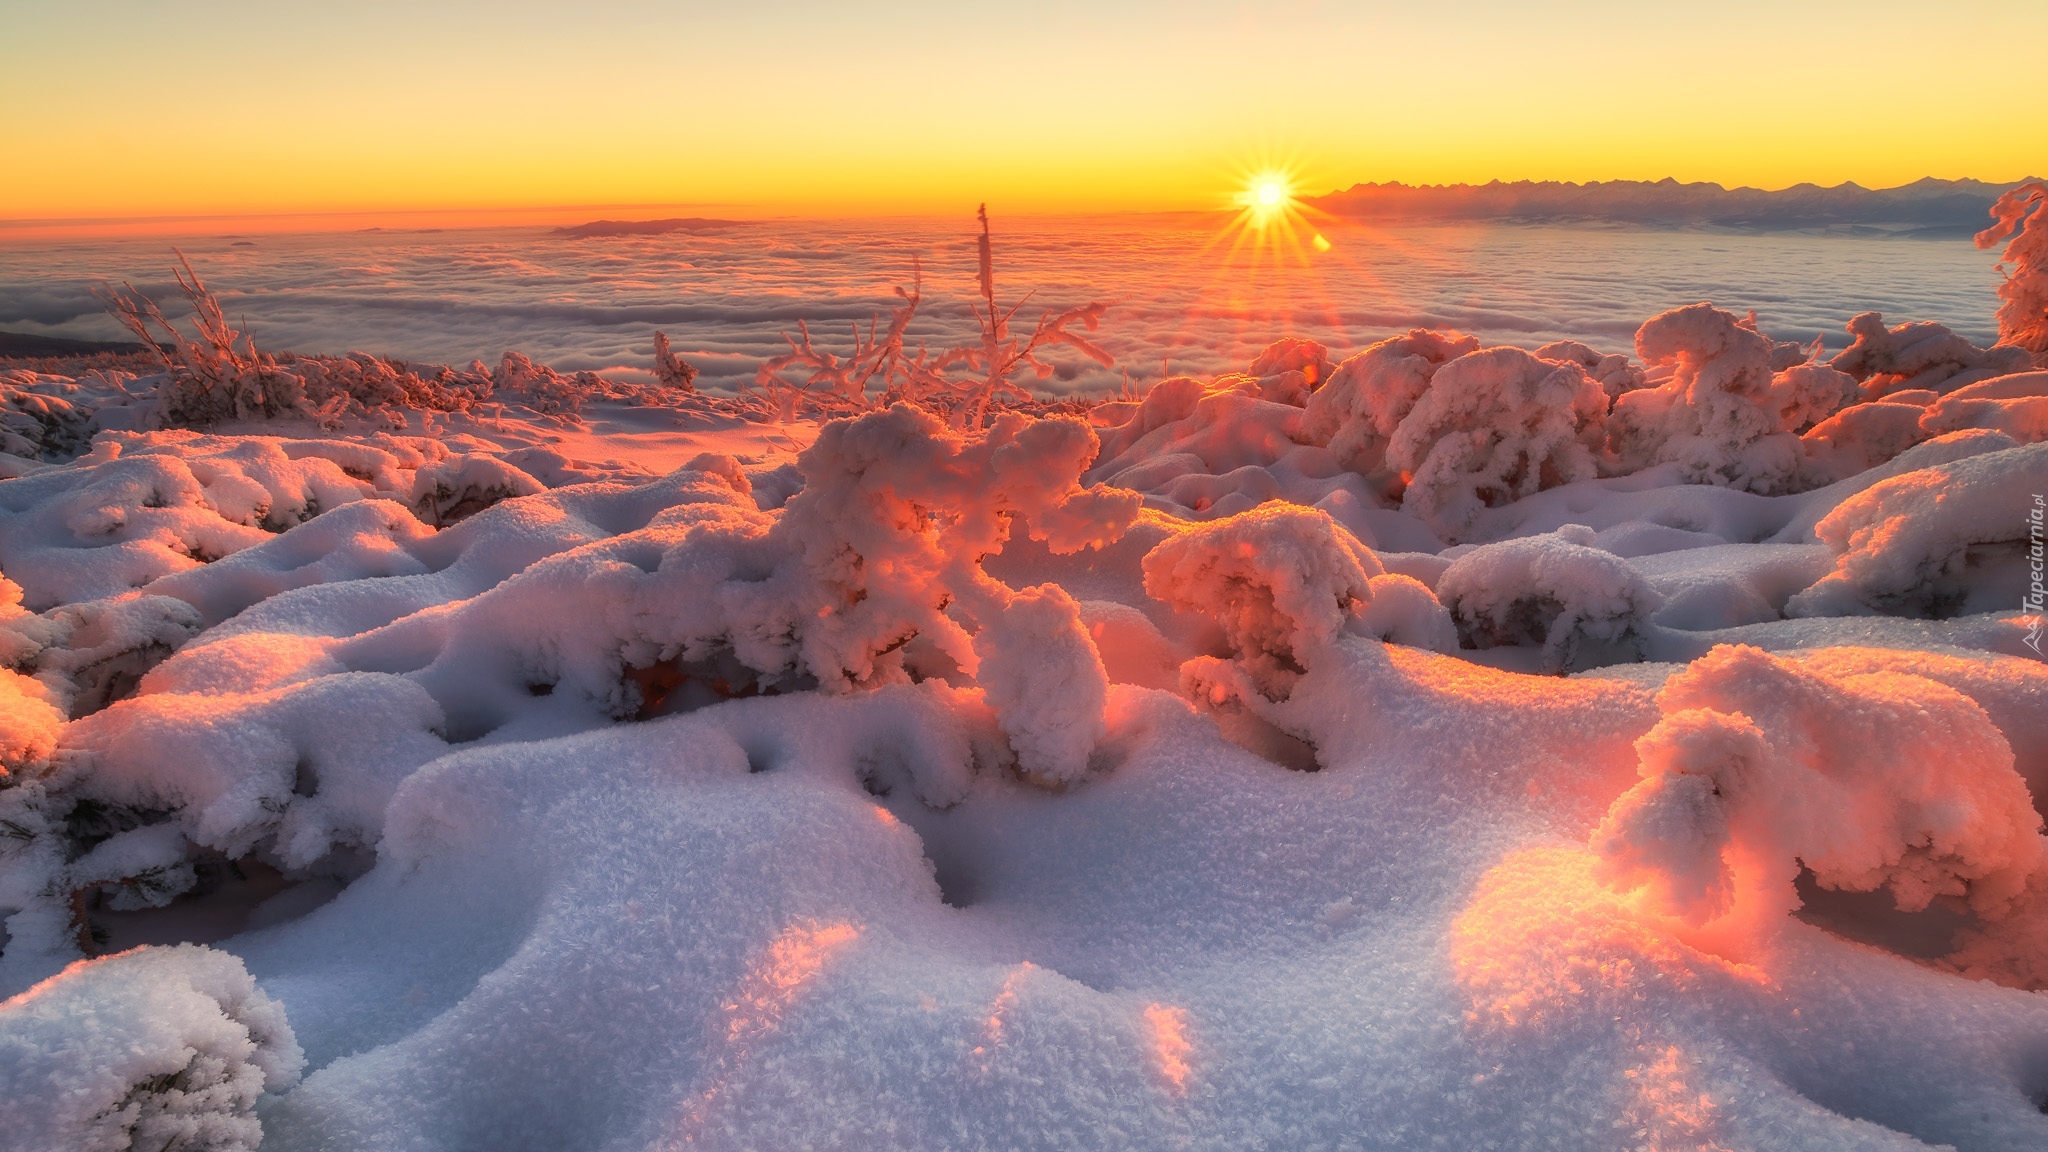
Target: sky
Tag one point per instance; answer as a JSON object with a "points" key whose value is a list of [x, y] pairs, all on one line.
{"points": [[121, 109]]}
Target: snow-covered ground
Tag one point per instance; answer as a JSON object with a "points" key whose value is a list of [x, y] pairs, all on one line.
{"points": [[1443, 745]]}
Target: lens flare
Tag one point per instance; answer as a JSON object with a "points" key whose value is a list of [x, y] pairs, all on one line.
{"points": [[1267, 197]]}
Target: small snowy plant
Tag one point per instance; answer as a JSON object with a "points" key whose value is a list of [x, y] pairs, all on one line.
{"points": [[1879, 780], [1726, 415], [1284, 582], [1933, 542], [1369, 394], [1916, 356], [965, 382], [1583, 606], [153, 1050], [1493, 427]]}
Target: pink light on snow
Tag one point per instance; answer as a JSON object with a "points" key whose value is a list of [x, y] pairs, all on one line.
{"points": [[1169, 1027]]}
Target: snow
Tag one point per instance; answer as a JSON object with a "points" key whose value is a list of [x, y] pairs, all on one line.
{"points": [[156, 1048], [1441, 744]]}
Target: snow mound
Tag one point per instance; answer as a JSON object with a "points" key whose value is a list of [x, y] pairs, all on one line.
{"points": [[1582, 605], [1927, 355], [2016, 405], [1281, 581], [1725, 416], [1933, 542], [1355, 414], [154, 1048], [1491, 428], [1761, 765]]}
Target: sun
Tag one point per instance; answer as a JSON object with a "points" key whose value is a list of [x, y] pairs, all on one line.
{"points": [[1266, 197]]}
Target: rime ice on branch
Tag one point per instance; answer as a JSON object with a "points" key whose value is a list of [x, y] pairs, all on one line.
{"points": [[2023, 216], [965, 382]]}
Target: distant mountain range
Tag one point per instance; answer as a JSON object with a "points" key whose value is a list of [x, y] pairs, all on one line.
{"points": [[1923, 207]]}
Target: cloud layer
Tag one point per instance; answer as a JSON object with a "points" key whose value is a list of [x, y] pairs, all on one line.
{"points": [[1186, 299]]}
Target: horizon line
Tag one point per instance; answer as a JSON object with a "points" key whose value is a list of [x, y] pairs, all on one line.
{"points": [[763, 211]]}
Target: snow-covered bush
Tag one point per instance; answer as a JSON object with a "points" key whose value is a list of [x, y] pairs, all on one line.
{"points": [[1188, 427], [673, 371], [1292, 354], [2016, 405], [42, 417], [30, 717], [1885, 361], [1369, 394], [1492, 427], [96, 652], [291, 774], [1582, 605], [1932, 542], [1859, 438], [882, 546], [1615, 372], [1725, 416], [1879, 780], [465, 484], [1283, 582], [145, 505], [153, 1050], [2022, 215]]}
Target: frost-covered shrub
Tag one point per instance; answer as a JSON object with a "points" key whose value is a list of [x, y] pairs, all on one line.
{"points": [[1355, 414], [2016, 405], [465, 484], [2022, 215], [30, 717], [673, 371], [1879, 780], [1932, 542], [1186, 426], [966, 383], [1725, 416], [144, 506], [1614, 372], [1859, 438], [292, 774], [1918, 355], [1289, 370], [221, 376], [882, 546], [42, 417], [97, 651], [1283, 581], [542, 388], [1582, 605], [1492, 427], [151, 1050]]}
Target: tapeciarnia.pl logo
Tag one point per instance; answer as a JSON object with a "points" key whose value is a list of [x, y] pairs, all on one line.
{"points": [[2037, 562]]}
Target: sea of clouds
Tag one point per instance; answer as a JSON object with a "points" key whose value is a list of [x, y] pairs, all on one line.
{"points": [[1189, 293]]}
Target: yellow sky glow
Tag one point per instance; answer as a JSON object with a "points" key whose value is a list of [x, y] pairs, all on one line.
{"points": [[224, 107]]}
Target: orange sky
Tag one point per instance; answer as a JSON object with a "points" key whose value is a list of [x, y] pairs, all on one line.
{"points": [[125, 109]]}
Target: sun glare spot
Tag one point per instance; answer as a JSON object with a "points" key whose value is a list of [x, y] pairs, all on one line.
{"points": [[1170, 1045], [1267, 197]]}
